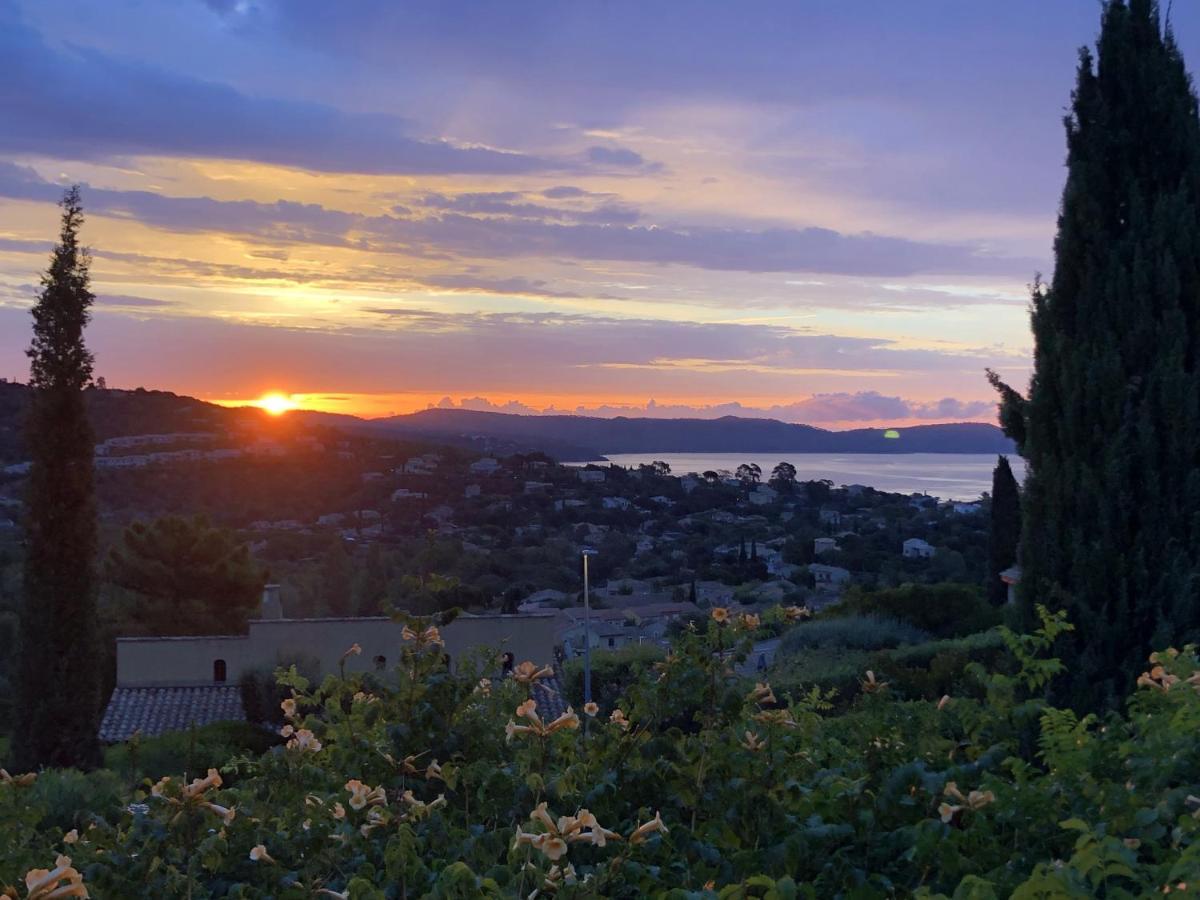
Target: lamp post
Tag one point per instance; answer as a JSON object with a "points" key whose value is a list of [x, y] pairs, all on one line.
{"points": [[587, 630]]}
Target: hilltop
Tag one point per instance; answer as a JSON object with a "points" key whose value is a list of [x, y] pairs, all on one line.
{"points": [[728, 434]]}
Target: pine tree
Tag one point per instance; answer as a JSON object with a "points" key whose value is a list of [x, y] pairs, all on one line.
{"points": [[1111, 426], [1005, 531], [189, 577], [58, 701]]}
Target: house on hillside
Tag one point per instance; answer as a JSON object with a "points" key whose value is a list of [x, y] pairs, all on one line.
{"points": [[828, 576], [824, 545], [541, 600], [485, 466], [915, 548], [406, 494], [966, 509], [591, 476]]}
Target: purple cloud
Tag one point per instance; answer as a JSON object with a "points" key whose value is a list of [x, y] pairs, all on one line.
{"points": [[120, 108], [745, 249]]}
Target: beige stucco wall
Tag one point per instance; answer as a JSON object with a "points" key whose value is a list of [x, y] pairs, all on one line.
{"points": [[189, 660]]}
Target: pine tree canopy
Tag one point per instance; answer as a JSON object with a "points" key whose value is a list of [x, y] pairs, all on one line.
{"points": [[1111, 426], [189, 577]]}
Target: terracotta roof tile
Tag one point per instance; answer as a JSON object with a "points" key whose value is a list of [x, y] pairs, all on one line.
{"points": [[157, 710]]}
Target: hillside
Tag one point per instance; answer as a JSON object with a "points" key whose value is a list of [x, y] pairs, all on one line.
{"points": [[725, 435]]}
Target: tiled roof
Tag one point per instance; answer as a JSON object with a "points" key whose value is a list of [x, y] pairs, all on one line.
{"points": [[156, 710], [550, 697]]}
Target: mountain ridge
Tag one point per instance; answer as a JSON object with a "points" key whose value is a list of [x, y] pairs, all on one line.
{"points": [[624, 434]]}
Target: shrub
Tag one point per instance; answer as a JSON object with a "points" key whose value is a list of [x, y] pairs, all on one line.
{"points": [[188, 751], [613, 671], [261, 694], [936, 668], [944, 610], [860, 632], [69, 799]]}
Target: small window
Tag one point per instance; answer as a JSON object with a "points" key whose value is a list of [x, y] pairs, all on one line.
{"points": [[380, 663], [219, 670], [612, 642]]}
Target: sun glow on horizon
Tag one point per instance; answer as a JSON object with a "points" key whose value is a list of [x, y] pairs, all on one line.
{"points": [[275, 403]]}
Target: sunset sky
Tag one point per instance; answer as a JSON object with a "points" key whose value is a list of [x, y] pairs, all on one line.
{"points": [[824, 212]]}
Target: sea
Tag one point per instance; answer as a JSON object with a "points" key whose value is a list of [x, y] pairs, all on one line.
{"points": [[948, 476]]}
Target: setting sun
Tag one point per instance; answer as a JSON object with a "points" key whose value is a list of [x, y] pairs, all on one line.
{"points": [[276, 404]]}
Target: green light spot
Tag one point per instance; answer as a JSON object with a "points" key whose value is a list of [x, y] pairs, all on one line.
{"points": [[891, 433]]}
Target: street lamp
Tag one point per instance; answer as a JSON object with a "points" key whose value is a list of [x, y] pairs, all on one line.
{"points": [[587, 630]]}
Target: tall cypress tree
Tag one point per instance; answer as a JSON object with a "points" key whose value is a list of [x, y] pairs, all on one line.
{"points": [[58, 702], [1111, 426], [1005, 531]]}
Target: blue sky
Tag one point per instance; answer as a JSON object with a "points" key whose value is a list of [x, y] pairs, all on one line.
{"points": [[823, 212]]}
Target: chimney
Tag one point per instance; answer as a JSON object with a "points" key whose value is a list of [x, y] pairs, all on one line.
{"points": [[272, 606]]}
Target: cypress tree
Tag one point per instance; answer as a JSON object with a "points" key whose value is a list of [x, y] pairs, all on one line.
{"points": [[58, 702], [1005, 531], [1111, 426]]}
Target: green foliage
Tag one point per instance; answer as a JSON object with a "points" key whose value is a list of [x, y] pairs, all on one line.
{"points": [[187, 751], [936, 668], [58, 696], [943, 610], [1111, 427], [70, 799], [187, 577], [261, 692], [613, 671], [854, 632], [417, 787]]}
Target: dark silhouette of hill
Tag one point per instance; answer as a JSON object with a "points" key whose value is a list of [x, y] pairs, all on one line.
{"points": [[729, 434]]}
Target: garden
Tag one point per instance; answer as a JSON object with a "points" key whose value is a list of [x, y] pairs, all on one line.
{"points": [[693, 782]]}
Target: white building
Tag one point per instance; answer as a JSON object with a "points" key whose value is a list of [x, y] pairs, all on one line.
{"points": [[406, 494], [616, 503], [915, 548], [595, 476], [485, 466], [824, 545], [829, 575]]}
